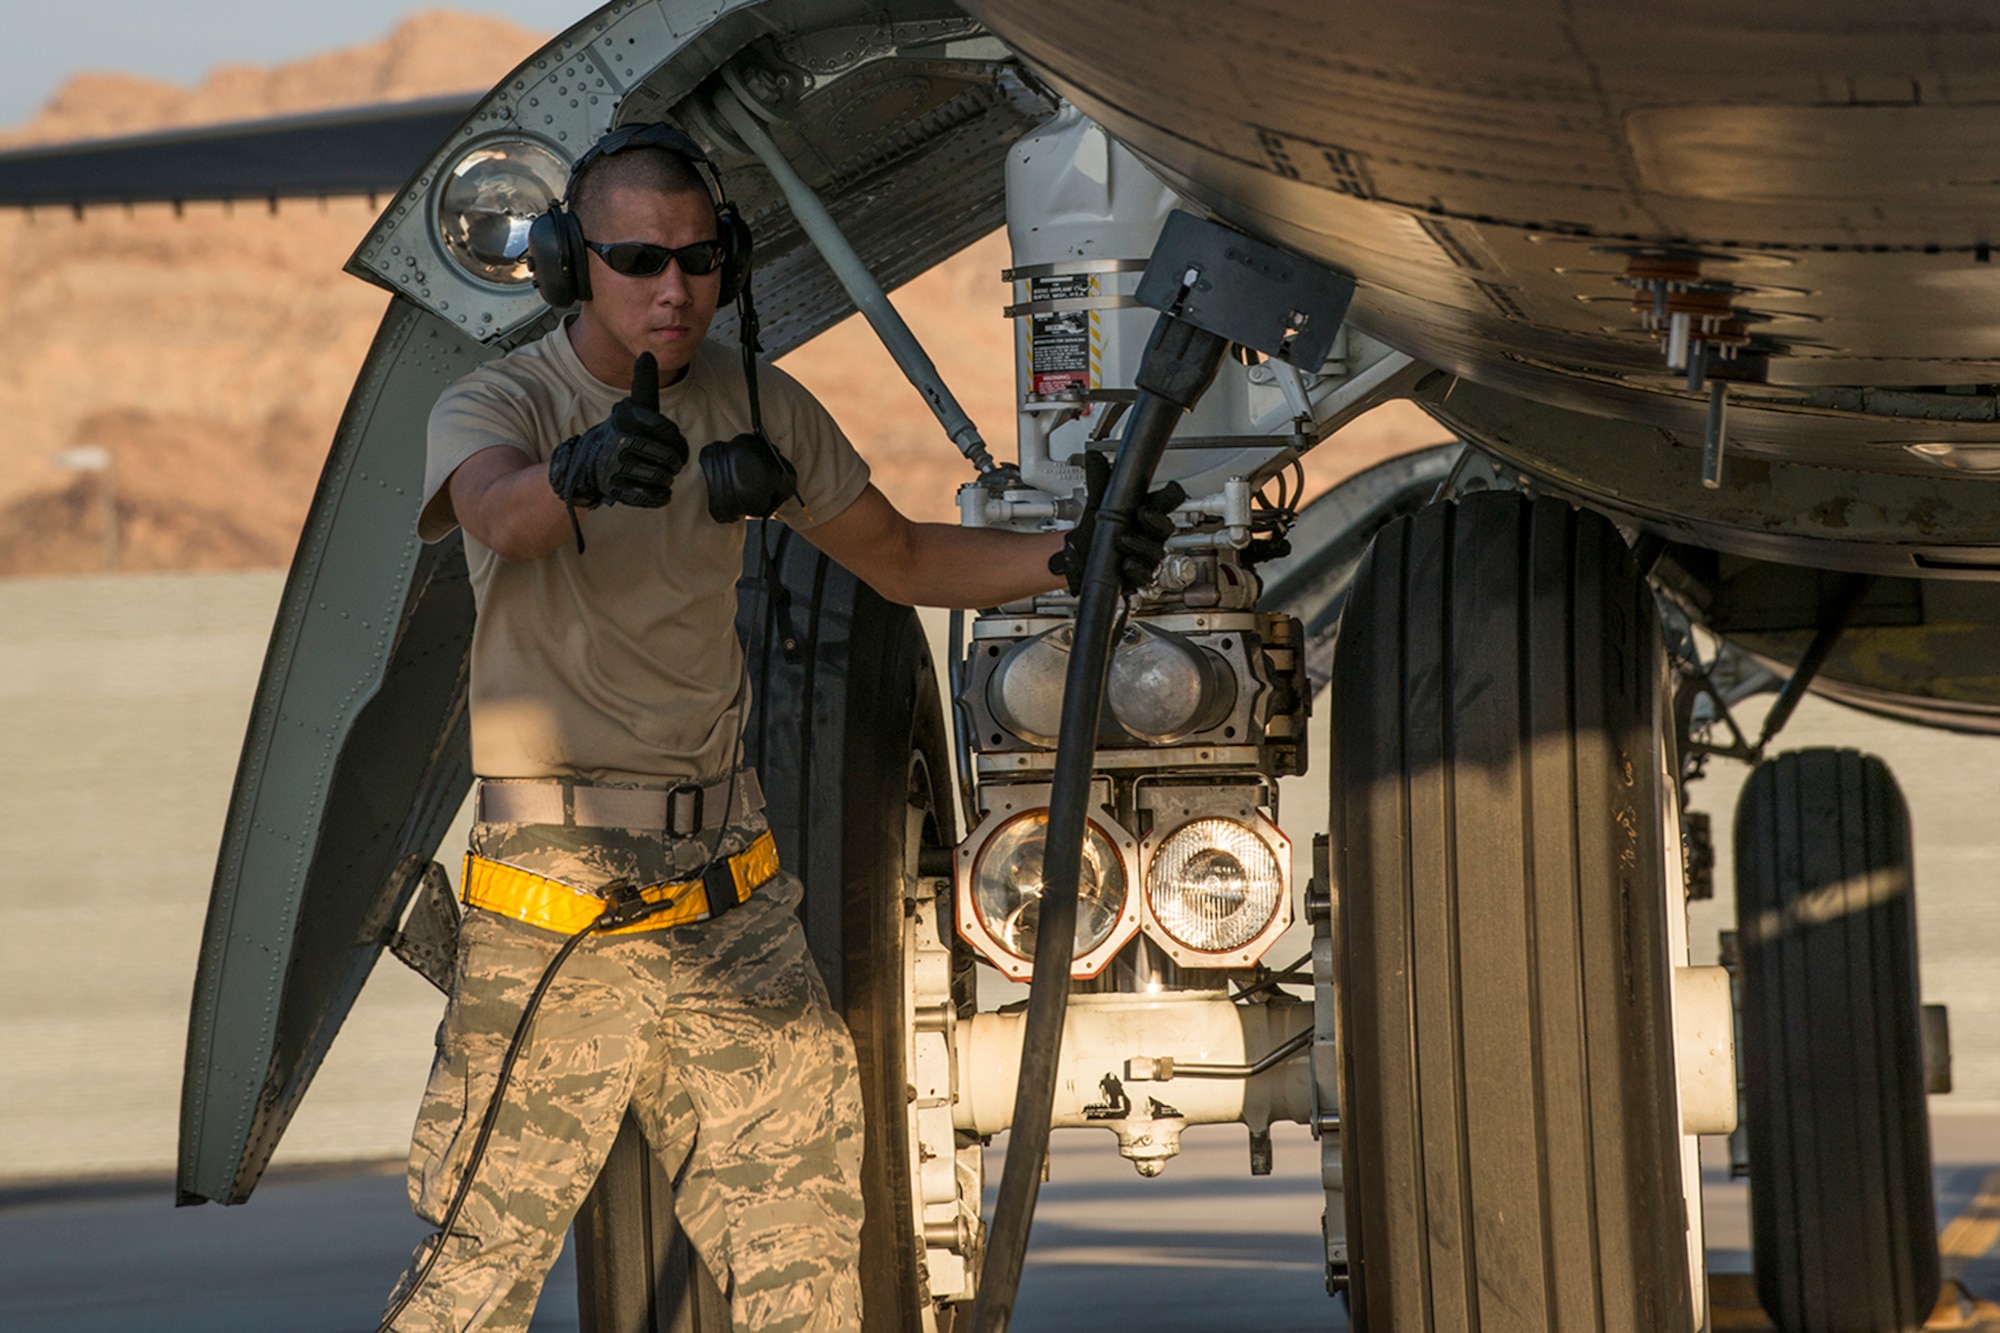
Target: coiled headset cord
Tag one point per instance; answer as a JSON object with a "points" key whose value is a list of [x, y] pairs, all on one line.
{"points": [[626, 910]]}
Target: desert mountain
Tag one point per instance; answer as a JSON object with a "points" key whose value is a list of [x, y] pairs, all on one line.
{"points": [[429, 53], [210, 354]]}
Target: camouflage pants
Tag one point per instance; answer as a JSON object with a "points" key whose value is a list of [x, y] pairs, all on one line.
{"points": [[719, 1037]]}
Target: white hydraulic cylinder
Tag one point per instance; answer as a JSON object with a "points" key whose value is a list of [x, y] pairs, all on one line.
{"points": [[1110, 1040]]}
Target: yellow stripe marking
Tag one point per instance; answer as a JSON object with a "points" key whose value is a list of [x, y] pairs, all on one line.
{"points": [[1095, 375], [1732, 1302], [1973, 1232], [1732, 1297]]}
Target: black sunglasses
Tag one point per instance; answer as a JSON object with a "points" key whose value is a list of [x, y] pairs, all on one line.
{"points": [[640, 259]]}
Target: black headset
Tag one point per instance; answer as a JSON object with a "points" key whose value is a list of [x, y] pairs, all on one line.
{"points": [[747, 476], [556, 253]]}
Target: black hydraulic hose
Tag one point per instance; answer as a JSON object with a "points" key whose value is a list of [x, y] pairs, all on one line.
{"points": [[1832, 626], [961, 724], [1181, 360]]}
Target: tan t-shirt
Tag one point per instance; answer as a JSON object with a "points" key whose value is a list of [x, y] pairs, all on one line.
{"points": [[620, 664]]}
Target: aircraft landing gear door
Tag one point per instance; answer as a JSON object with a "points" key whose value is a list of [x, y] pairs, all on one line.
{"points": [[1510, 1125]]}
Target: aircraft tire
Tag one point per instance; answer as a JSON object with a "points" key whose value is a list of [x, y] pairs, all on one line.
{"points": [[897, 788], [1841, 1205], [1510, 1124]]}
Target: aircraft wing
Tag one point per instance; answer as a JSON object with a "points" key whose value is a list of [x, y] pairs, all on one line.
{"points": [[354, 150]]}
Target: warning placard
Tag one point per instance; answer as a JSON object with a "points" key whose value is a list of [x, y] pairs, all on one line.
{"points": [[1059, 342]]}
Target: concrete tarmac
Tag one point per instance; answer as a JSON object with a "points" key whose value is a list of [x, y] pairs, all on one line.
{"points": [[1204, 1247]]}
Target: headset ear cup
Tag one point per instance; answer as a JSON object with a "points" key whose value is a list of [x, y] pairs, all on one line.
{"points": [[747, 477], [575, 256], [737, 251], [557, 258], [545, 259]]}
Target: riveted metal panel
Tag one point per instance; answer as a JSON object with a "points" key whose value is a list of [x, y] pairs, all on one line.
{"points": [[354, 763], [563, 97], [905, 112], [1934, 527]]}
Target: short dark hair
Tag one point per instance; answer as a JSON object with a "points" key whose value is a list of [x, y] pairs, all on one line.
{"points": [[655, 170]]}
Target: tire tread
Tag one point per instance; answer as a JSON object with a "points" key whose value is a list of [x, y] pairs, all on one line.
{"points": [[1510, 1145], [1840, 1187]]}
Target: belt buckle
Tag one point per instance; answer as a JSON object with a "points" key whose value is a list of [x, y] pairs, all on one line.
{"points": [[684, 810]]}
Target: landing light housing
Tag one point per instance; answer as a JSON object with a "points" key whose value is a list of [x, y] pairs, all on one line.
{"points": [[1217, 889], [998, 880], [487, 201]]}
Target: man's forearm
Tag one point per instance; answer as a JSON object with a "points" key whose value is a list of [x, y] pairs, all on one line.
{"points": [[935, 564], [503, 498], [975, 567]]}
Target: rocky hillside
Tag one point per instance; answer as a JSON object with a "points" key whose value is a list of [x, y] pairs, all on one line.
{"points": [[436, 51], [210, 354]]}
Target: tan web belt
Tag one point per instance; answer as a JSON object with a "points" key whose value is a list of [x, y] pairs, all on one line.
{"points": [[681, 810], [554, 905]]}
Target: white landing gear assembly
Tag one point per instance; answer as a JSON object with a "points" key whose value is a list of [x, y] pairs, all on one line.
{"points": [[1502, 1052]]}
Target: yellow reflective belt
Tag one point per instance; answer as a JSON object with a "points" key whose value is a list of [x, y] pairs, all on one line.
{"points": [[554, 905]]}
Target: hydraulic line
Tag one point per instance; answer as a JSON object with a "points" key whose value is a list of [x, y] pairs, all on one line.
{"points": [[1288, 973], [1291, 1047], [1832, 625], [1179, 363], [860, 284], [961, 724]]}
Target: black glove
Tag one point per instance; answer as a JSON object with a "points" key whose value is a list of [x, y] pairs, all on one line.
{"points": [[629, 458], [1141, 546]]}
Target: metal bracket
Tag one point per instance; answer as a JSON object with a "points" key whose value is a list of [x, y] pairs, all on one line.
{"points": [[428, 941], [1325, 1068], [1237, 287]]}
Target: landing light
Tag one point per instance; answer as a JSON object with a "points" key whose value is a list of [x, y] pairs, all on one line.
{"points": [[489, 199], [1216, 890], [1000, 892]]}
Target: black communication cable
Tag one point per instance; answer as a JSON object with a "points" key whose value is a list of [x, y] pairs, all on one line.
{"points": [[488, 1121], [629, 910]]}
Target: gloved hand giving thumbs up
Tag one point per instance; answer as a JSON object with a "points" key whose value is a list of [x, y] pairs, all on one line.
{"points": [[629, 458]]}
